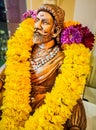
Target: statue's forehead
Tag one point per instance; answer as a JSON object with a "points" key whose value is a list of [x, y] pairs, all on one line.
{"points": [[45, 15]]}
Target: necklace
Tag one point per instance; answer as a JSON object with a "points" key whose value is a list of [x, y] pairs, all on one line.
{"points": [[36, 63]]}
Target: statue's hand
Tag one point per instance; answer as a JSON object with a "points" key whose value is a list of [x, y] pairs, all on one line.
{"points": [[78, 118]]}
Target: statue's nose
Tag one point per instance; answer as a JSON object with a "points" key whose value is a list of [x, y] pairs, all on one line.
{"points": [[38, 25]]}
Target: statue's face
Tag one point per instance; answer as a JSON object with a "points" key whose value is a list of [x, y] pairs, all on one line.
{"points": [[44, 28]]}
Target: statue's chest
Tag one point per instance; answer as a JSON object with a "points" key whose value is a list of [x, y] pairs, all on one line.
{"points": [[43, 66]]}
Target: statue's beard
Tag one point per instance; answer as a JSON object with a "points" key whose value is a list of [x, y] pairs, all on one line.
{"points": [[40, 38]]}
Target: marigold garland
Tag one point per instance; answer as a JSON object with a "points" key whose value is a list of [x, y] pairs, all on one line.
{"points": [[16, 106], [59, 103]]}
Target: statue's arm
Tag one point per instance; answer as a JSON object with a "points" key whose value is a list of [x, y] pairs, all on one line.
{"points": [[78, 119]]}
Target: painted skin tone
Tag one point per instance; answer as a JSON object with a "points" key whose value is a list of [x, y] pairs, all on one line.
{"points": [[44, 30]]}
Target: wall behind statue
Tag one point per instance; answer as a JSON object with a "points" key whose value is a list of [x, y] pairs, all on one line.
{"points": [[85, 12], [68, 6], [33, 4]]}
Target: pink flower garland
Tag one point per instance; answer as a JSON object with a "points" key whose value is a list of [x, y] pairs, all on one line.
{"points": [[78, 34]]}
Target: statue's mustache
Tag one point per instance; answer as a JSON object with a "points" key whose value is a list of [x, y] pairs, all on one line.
{"points": [[39, 32]]}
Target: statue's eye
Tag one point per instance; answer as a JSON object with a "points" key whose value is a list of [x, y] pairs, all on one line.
{"points": [[45, 22], [36, 20]]}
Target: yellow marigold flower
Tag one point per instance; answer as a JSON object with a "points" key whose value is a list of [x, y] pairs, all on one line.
{"points": [[70, 23], [17, 83]]}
